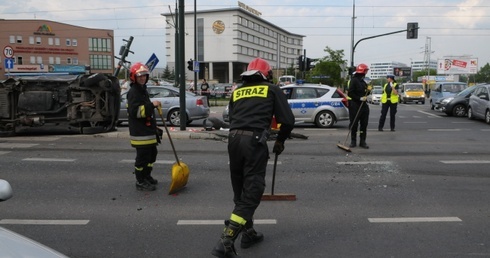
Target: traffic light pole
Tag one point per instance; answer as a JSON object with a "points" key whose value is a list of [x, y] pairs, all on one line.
{"points": [[182, 86], [372, 37]]}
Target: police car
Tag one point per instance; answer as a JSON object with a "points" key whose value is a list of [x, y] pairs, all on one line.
{"points": [[312, 103], [319, 104]]}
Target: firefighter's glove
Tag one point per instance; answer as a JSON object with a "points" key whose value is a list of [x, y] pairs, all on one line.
{"points": [[278, 147], [363, 99]]}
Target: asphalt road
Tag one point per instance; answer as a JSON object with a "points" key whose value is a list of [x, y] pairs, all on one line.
{"points": [[422, 191]]}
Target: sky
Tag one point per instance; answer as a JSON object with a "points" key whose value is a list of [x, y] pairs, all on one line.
{"points": [[448, 28]]}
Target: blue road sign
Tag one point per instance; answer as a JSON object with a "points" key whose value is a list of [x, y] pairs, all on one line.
{"points": [[196, 66], [9, 63], [152, 62]]}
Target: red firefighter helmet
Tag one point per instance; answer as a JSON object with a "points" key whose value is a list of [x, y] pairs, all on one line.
{"points": [[362, 68], [259, 65], [138, 69]]}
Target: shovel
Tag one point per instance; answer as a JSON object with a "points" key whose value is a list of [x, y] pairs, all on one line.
{"points": [[277, 197], [180, 171]]}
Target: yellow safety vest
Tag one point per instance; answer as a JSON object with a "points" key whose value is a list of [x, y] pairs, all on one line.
{"points": [[393, 98]]}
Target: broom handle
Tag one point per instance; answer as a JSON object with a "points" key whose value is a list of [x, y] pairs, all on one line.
{"points": [[355, 118], [274, 173], [168, 134]]}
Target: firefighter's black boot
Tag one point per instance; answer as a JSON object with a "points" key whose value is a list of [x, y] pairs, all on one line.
{"points": [[226, 245], [363, 143], [250, 236], [149, 178], [353, 142], [141, 183]]}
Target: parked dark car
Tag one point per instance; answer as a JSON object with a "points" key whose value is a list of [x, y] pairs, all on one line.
{"points": [[479, 103], [89, 103], [457, 105], [220, 90]]}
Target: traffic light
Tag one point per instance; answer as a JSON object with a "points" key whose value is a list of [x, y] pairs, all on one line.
{"points": [[190, 65], [412, 30], [301, 63], [308, 64]]}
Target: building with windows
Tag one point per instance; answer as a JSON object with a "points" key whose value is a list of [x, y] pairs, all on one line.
{"points": [[46, 47], [381, 69], [228, 39]]}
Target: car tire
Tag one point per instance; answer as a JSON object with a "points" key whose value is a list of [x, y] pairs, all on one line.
{"points": [[459, 110], [431, 105], [325, 119], [173, 117], [470, 114], [423, 102], [487, 116]]}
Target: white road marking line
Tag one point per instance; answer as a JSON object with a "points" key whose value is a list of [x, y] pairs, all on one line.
{"points": [[443, 130], [48, 159], [156, 162], [364, 162], [35, 139], [469, 122], [4, 152], [429, 114], [221, 222], [320, 129], [42, 222], [17, 145], [415, 122], [465, 161], [414, 219], [485, 130]]}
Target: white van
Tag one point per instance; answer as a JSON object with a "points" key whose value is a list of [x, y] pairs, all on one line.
{"points": [[287, 79], [441, 90]]}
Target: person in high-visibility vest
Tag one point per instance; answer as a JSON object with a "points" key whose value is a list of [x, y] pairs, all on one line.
{"points": [[389, 100]]}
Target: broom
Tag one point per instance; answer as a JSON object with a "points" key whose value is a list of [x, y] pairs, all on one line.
{"points": [[277, 197], [344, 146]]}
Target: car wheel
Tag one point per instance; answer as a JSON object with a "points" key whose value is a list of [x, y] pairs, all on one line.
{"points": [[487, 117], [459, 110], [325, 119], [431, 105], [174, 117], [470, 113], [423, 102]]}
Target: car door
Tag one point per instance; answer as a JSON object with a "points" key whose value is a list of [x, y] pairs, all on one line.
{"points": [[481, 102], [167, 97], [303, 103]]}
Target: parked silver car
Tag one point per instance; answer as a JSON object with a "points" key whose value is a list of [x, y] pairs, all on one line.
{"points": [[479, 104], [196, 106], [16, 245], [312, 103]]}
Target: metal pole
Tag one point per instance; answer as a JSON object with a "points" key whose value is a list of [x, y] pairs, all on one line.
{"points": [[352, 34], [195, 46], [183, 113]]}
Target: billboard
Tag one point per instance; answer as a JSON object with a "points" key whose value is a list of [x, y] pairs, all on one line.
{"points": [[457, 66], [402, 71]]}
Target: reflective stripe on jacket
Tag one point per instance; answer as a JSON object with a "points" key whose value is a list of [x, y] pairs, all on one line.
{"points": [[393, 97]]}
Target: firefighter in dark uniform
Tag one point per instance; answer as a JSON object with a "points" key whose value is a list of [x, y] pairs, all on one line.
{"points": [[358, 90], [143, 131], [251, 109]]}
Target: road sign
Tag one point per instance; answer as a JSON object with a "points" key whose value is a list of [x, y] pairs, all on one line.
{"points": [[152, 62], [9, 63], [196, 66], [8, 52]]}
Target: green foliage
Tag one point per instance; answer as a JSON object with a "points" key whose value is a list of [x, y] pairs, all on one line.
{"points": [[330, 67], [483, 74]]}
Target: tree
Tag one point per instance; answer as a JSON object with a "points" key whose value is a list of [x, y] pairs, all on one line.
{"points": [[328, 70], [483, 75]]}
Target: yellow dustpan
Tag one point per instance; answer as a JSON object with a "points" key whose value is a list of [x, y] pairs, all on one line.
{"points": [[180, 171]]}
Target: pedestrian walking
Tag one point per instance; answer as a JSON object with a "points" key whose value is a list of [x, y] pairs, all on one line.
{"points": [[389, 100], [358, 108], [251, 108], [143, 132]]}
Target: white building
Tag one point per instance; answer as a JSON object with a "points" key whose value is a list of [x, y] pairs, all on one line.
{"points": [[228, 39], [381, 69]]}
